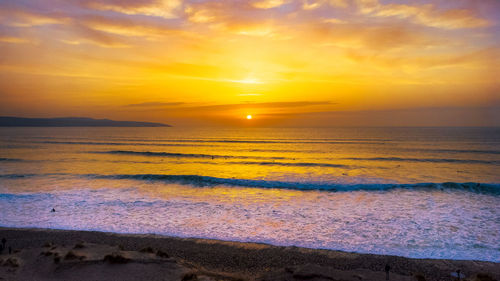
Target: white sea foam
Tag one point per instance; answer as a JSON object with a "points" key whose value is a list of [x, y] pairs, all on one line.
{"points": [[450, 224]]}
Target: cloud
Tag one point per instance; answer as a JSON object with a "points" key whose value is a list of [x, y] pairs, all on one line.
{"points": [[73, 27], [334, 21], [96, 37], [268, 4], [485, 58], [314, 4], [14, 40], [200, 15], [233, 109], [11, 35], [190, 70], [16, 17], [125, 26], [159, 8], [372, 37], [155, 104], [426, 14], [268, 105], [234, 18], [419, 116]]}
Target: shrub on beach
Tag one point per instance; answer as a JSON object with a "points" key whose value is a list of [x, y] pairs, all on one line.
{"points": [[116, 258], [484, 277], [189, 277], [419, 277], [12, 262], [70, 256], [147, 250], [162, 254], [79, 246]]}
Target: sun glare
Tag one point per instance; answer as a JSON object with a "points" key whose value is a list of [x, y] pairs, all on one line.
{"points": [[248, 80], [249, 116]]}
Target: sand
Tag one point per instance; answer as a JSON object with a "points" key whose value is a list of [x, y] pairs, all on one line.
{"points": [[42, 254]]}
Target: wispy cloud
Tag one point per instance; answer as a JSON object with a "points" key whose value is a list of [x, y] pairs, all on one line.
{"points": [[155, 104], [14, 40], [425, 14], [25, 18], [160, 8], [314, 4], [274, 105], [125, 27], [268, 4]]}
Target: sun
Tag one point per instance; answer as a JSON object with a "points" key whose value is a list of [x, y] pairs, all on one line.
{"points": [[249, 116], [249, 80]]}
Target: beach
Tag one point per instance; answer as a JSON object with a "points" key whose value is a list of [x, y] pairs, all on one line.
{"points": [[154, 257]]}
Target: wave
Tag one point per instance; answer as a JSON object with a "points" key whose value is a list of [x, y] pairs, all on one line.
{"points": [[174, 145], [284, 141], [206, 181], [274, 141], [20, 176], [16, 176], [9, 160], [296, 164], [26, 196], [199, 143], [467, 151], [225, 140], [121, 143], [184, 155], [429, 160]]}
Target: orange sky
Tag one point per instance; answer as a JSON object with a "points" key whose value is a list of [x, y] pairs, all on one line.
{"points": [[286, 62]]}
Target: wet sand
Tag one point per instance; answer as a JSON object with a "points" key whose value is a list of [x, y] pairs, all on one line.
{"points": [[43, 254]]}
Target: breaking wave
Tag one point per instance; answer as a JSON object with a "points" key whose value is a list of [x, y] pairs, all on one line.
{"points": [[293, 164], [206, 181], [9, 160], [429, 160], [184, 155]]}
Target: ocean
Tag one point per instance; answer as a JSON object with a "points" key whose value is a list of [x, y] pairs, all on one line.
{"points": [[413, 192]]}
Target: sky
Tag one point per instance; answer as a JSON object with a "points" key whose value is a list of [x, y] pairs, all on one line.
{"points": [[304, 63]]}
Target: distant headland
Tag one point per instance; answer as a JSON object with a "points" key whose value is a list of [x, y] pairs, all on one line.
{"points": [[6, 121]]}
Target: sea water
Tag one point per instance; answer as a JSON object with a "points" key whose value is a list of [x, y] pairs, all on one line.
{"points": [[414, 192]]}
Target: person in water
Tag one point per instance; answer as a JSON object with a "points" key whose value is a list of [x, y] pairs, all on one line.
{"points": [[3, 245], [387, 268]]}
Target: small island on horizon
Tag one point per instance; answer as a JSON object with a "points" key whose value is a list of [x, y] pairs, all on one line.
{"points": [[8, 121]]}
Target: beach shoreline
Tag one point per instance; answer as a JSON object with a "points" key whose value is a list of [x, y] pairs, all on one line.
{"points": [[225, 260]]}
